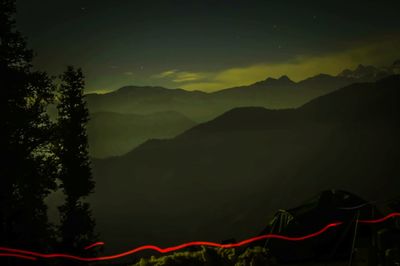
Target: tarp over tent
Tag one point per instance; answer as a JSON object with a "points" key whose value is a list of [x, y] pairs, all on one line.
{"points": [[336, 243]]}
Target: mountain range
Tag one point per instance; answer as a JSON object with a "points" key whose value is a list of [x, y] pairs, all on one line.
{"points": [[226, 177], [123, 119], [201, 106]]}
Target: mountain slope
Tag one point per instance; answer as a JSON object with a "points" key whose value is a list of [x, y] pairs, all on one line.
{"points": [[225, 178], [112, 134]]}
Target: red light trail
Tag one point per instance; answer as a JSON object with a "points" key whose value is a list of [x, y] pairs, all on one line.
{"points": [[395, 214], [30, 255], [94, 245], [17, 256]]}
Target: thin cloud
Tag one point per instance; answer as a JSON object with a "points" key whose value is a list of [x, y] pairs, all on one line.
{"points": [[180, 76], [166, 74], [187, 76], [377, 53]]}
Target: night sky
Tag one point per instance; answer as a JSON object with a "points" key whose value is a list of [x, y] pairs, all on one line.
{"points": [[207, 45]]}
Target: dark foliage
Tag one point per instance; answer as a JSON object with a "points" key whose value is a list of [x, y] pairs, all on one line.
{"points": [[255, 256], [77, 225], [34, 152], [27, 170]]}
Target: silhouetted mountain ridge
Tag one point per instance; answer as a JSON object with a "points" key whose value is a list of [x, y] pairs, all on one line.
{"points": [[370, 73], [282, 81], [152, 90], [200, 106]]}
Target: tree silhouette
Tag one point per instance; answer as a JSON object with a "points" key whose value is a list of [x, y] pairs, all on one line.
{"points": [[27, 171], [77, 224]]}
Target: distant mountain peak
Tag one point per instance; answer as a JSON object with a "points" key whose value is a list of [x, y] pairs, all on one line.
{"points": [[283, 80], [371, 73], [319, 77], [365, 72], [369, 68]]}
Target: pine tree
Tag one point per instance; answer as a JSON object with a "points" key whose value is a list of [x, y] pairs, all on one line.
{"points": [[27, 170], [77, 224]]}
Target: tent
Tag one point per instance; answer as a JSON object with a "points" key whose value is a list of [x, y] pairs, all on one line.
{"points": [[337, 243]]}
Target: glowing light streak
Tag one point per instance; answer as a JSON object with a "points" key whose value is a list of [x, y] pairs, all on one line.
{"points": [[94, 245], [30, 255]]}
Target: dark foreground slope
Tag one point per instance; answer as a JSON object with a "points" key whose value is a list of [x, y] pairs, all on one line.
{"points": [[225, 178]]}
